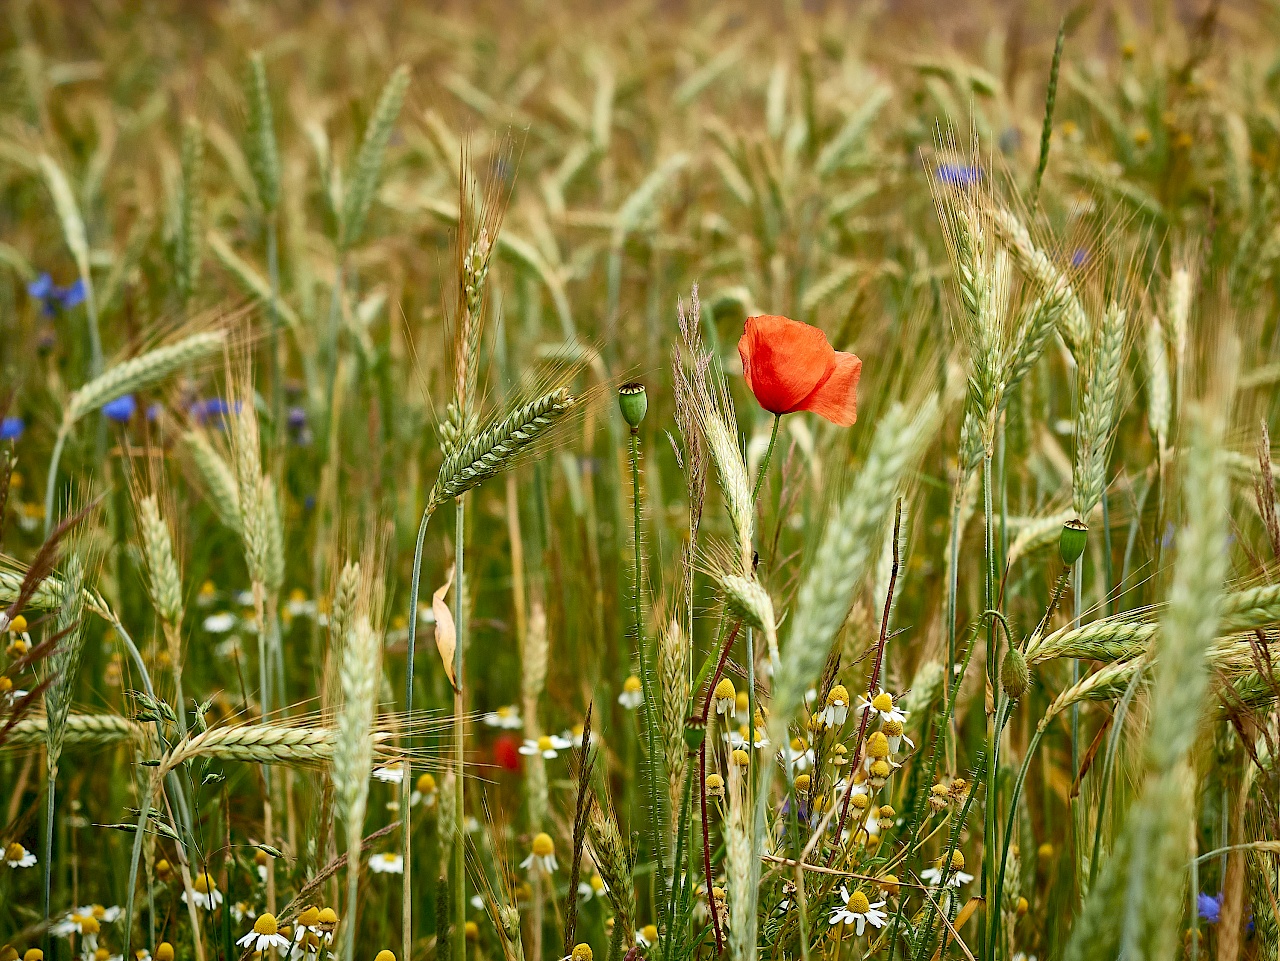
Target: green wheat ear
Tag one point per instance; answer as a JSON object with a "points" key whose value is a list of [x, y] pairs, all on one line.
{"points": [[264, 156], [368, 165], [141, 372], [188, 234]]}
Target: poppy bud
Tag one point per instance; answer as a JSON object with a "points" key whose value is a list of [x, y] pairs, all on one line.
{"points": [[634, 403], [1014, 676], [1072, 541], [694, 736]]}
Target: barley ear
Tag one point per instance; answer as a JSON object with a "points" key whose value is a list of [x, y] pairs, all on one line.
{"points": [[264, 156], [368, 164]]}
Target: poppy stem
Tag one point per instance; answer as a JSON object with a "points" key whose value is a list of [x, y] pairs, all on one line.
{"points": [[768, 455]]}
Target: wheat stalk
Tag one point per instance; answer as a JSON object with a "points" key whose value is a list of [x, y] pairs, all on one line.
{"points": [[264, 156], [1096, 418], [82, 730], [488, 452], [613, 862], [368, 164], [216, 475], [265, 744], [189, 213]]}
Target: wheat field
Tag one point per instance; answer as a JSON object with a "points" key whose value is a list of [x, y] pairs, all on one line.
{"points": [[552, 480]]}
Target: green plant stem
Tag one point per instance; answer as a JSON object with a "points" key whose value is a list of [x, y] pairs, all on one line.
{"points": [[273, 275], [646, 675], [768, 455], [993, 734], [459, 895], [51, 481], [415, 584]]}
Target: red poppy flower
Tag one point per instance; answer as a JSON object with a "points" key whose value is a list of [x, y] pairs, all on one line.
{"points": [[790, 366], [506, 752]]}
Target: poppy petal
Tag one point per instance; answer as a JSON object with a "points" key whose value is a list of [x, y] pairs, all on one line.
{"points": [[783, 361], [836, 398]]}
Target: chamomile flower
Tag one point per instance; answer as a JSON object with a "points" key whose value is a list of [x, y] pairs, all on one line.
{"points": [[243, 911], [389, 773], [580, 952], [892, 731], [542, 855], [797, 755], [8, 693], [715, 785], [219, 623], [592, 888], [632, 695], [298, 605], [725, 696], [16, 856], [507, 718], [265, 935], [837, 709], [424, 792], [549, 746], [206, 892], [647, 935], [957, 873], [387, 863], [81, 922], [882, 706], [858, 911]]}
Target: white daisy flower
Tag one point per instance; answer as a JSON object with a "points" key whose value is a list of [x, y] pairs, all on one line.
{"points": [[632, 695], [389, 773], [858, 911], [593, 888], [542, 855], [220, 623], [387, 863], [206, 892], [647, 935], [882, 705], [797, 756], [16, 856], [9, 694], [837, 709], [958, 875], [298, 604], [725, 697], [507, 718], [892, 731], [424, 792], [265, 935], [243, 911], [244, 598], [549, 746]]}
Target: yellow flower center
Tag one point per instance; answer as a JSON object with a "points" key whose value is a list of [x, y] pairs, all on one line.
{"points": [[859, 801], [35, 954], [544, 743], [6, 685], [649, 932], [858, 903], [725, 690], [957, 861], [207, 590], [472, 930], [504, 712], [883, 701], [543, 846], [89, 925], [426, 784], [892, 728], [714, 782], [797, 745], [597, 883], [297, 595], [581, 952], [838, 696], [880, 769], [101, 954], [384, 955], [939, 790], [266, 924], [631, 686], [741, 758], [15, 852], [18, 625], [802, 783], [309, 916], [328, 916], [164, 952], [877, 745], [203, 883], [889, 883]]}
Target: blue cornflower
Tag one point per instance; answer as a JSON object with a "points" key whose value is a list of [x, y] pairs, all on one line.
{"points": [[958, 175], [52, 297], [11, 428], [214, 409], [121, 409], [1209, 907], [1079, 258]]}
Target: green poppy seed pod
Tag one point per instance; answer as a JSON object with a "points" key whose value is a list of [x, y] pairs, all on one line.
{"points": [[1072, 541], [1014, 676], [634, 403]]}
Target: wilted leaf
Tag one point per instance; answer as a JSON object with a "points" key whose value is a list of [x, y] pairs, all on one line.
{"points": [[446, 630]]}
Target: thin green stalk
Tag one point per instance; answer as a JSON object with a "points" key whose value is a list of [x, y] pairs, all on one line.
{"points": [[459, 895], [273, 275], [51, 481], [405, 808], [646, 676], [768, 455], [993, 734]]}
